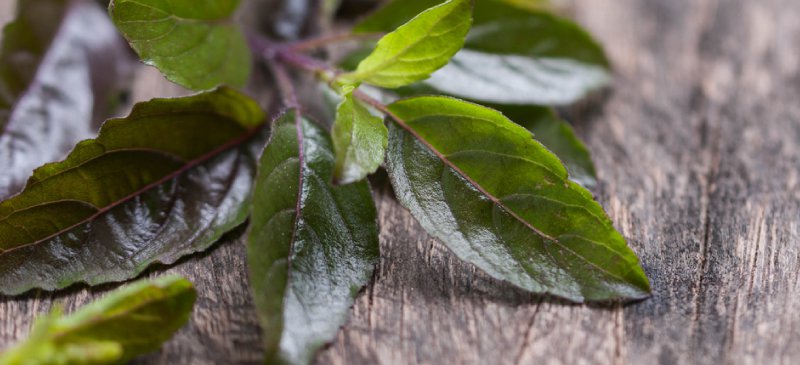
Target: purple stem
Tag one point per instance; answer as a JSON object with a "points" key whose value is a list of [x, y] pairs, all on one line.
{"points": [[282, 52]]}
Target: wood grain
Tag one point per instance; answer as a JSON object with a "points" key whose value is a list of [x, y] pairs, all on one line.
{"points": [[697, 151]]}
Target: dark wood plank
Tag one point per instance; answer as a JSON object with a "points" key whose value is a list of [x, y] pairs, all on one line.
{"points": [[697, 150]]}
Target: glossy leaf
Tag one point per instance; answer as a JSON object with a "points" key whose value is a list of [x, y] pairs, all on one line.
{"points": [[62, 65], [193, 43], [501, 201], [550, 130], [359, 139], [164, 182], [311, 245], [558, 136], [130, 321], [512, 55], [417, 48]]}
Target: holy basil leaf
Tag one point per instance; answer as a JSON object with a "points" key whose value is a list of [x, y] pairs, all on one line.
{"points": [[417, 48], [130, 321], [558, 137], [512, 55], [164, 182], [504, 203], [61, 66], [548, 129], [359, 139], [193, 43], [311, 245]]}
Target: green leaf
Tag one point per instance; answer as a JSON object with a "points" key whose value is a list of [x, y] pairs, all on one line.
{"points": [[62, 66], [504, 203], [558, 137], [193, 43], [311, 245], [512, 55], [417, 48], [359, 139], [128, 322], [550, 130], [164, 182]]}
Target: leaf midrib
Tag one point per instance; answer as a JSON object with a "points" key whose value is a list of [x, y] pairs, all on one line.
{"points": [[502, 206], [400, 122], [187, 166], [298, 125]]}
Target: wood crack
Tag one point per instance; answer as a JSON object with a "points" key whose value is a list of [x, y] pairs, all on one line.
{"points": [[708, 189], [528, 331], [709, 147], [619, 334]]}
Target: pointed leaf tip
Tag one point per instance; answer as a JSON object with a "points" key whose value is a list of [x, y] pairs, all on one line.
{"points": [[503, 202]]}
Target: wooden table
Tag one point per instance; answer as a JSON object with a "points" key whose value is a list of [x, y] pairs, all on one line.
{"points": [[697, 151]]}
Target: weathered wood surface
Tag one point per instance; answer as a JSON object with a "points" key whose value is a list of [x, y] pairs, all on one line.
{"points": [[697, 150]]}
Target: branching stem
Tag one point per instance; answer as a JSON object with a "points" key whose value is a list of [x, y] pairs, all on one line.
{"points": [[301, 61], [278, 56], [322, 41], [270, 52]]}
